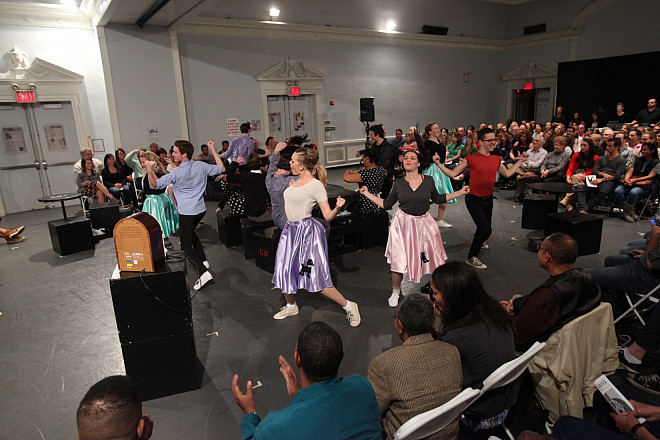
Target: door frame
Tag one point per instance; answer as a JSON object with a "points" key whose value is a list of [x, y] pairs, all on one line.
{"points": [[543, 77], [276, 81], [51, 83]]}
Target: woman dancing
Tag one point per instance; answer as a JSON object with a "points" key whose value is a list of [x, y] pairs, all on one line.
{"points": [[301, 261], [157, 202], [433, 146], [414, 245]]}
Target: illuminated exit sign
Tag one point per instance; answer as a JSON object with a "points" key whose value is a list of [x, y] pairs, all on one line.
{"points": [[294, 91], [528, 85], [24, 96]]}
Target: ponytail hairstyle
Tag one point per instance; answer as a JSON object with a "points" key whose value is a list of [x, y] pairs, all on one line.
{"points": [[309, 158], [148, 155], [427, 131]]}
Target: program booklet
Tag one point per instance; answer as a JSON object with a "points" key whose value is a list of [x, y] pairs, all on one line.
{"points": [[614, 397]]}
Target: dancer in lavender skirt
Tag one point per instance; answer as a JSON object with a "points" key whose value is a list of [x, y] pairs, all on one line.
{"points": [[302, 254]]}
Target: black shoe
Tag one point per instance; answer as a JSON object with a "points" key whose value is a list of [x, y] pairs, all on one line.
{"points": [[647, 381], [629, 366]]}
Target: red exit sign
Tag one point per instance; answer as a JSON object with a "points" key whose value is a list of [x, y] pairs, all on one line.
{"points": [[294, 91], [25, 96], [528, 85]]}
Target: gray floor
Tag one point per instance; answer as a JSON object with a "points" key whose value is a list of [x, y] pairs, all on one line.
{"points": [[58, 333]]}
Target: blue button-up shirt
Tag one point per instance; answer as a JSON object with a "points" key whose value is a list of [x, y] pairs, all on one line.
{"points": [[240, 147], [189, 183]]}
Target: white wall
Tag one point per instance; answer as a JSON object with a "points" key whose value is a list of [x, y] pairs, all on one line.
{"points": [[143, 81], [76, 50]]}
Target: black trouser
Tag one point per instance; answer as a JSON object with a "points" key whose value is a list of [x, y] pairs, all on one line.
{"points": [[481, 211], [190, 243]]}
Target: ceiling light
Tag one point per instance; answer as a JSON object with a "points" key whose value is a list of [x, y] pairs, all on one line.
{"points": [[274, 12], [390, 25]]}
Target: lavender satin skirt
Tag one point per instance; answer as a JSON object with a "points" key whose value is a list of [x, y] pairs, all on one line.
{"points": [[410, 236], [301, 261]]}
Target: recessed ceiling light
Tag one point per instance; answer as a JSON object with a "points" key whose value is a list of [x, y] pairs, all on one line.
{"points": [[274, 12], [390, 25]]}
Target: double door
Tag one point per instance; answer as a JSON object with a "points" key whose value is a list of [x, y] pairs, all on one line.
{"points": [[38, 150], [292, 116]]}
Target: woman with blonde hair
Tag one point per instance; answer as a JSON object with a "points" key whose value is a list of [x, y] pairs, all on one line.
{"points": [[157, 202], [302, 261]]}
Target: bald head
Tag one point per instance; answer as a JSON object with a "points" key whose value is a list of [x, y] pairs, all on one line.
{"points": [[111, 409]]}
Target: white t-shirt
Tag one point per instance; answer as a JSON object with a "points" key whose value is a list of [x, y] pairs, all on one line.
{"points": [[299, 201]]}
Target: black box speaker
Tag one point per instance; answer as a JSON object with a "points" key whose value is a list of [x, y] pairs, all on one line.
{"points": [[367, 110], [535, 209], [229, 228], [375, 229], [265, 248], [586, 229], [434, 30], [105, 215], [71, 235], [163, 366], [151, 304], [248, 228]]}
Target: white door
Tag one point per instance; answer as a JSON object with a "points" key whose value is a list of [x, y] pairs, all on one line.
{"points": [[39, 148], [292, 116]]}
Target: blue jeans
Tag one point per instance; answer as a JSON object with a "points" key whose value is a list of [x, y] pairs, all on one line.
{"points": [[118, 192], [632, 192], [603, 190]]}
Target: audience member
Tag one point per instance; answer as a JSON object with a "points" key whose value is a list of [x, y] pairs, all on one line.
{"points": [[649, 115], [620, 115], [633, 356], [414, 244], [89, 183], [254, 189], [240, 146], [580, 166], [530, 168], [86, 153], [608, 170], [112, 409], [637, 181], [157, 202], [387, 155], [566, 295], [371, 176], [398, 140], [419, 375], [323, 405], [154, 148], [278, 179], [133, 161], [204, 156], [114, 178]]}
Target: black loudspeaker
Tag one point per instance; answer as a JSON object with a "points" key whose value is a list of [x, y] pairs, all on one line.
{"points": [[375, 229], [105, 215], [434, 30], [71, 235], [229, 228], [535, 208], [248, 229], [265, 248], [154, 321], [586, 229], [367, 110]]}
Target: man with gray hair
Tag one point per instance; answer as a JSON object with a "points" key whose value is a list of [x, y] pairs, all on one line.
{"points": [[568, 293], [86, 153]]}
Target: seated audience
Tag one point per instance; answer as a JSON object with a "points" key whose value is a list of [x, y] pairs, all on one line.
{"points": [[608, 170], [632, 357], [133, 161], [454, 151], [481, 330], [530, 169], [555, 163], [87, 153], [323, 405], [114, 178], [371, 176], [503, 147], [649, 115], [638, 275], [637, 181], [89, 183], [419, 375], [581, 165], [398, 139], [112, 409], [566, 295], [548, 140]]}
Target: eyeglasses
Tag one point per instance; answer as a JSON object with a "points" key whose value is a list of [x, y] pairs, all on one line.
{"points": [[490, 140]]}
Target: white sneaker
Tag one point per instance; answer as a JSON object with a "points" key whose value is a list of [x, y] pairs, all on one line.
{"points": [[205, 278], [485, 246], [476, 263], [354, 315], [393, 300], [206, 264], [286, 311], [443, 224]]}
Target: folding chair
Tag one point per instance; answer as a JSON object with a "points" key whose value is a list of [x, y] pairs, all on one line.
{"points": [[633, 307], [509, 372], [432, 421]]}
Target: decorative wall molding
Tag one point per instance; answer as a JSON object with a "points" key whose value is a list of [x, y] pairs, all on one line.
{"points": [[258, 29], [38, 14], [291, 70], [544, 77], [14, 67], [530, 70]]}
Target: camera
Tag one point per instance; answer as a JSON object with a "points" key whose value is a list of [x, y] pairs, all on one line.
{"points": [[426, 290]]}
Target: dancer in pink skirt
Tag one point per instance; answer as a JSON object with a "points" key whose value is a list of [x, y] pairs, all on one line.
{"points": [[301, 261], [414, 245]]}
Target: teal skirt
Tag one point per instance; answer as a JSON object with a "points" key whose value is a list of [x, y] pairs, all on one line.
{"points": [[162, 208], [442, 181]]}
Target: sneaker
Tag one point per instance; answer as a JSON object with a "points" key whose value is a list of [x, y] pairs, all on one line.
{"points": [[626, 365], [393, 300], [485, 246], [286, 311], [353, 315], [649, 382], [443, 224], [203, 280], [206, 264], [476, 263]]}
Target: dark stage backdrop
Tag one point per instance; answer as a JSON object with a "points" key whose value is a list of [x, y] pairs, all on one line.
{"points": [[585, 86]]}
